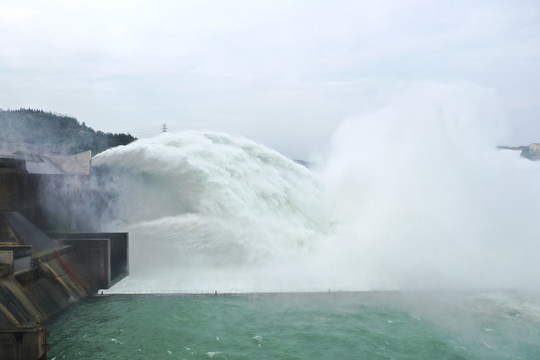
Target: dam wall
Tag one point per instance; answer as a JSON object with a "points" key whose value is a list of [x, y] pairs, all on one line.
{"points": [[19, 191], [53, 280], [44, 273]]}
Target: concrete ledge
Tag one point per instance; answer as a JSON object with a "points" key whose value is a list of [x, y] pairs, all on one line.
{"points": [[118, 264]]}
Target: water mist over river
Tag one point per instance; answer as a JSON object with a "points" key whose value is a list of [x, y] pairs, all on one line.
{"points": [[412, 196]]}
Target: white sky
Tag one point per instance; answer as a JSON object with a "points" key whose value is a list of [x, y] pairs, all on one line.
{"points": [[284, 73]]}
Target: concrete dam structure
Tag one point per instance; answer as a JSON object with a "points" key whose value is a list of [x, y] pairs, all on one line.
{"points": [[48, 258]]}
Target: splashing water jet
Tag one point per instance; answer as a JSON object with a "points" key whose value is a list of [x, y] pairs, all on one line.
{"points": [[412, 196], [210, 211]]}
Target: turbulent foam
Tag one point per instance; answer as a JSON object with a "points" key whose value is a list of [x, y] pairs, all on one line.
{"points": [[414, 195], [207, 203]]}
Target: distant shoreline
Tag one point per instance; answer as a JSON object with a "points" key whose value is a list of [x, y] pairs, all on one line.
{"points": [[531, 152]]}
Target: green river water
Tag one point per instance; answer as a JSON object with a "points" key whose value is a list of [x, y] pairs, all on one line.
{"points": [[369, 325]]}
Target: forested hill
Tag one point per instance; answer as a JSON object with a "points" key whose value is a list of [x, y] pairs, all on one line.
{"points": [[38, 131]]}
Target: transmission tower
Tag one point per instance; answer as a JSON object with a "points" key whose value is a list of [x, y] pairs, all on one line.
{"points": [[164, 128]]}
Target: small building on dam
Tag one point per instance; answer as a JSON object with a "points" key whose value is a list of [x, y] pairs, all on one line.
{"points": [[50, 253]]}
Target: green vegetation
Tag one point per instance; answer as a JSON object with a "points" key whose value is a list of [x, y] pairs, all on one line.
{"points": [[38, 131]]}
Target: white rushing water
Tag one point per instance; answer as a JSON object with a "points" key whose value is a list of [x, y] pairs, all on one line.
{"points": [[209, 211], [414, 195]]}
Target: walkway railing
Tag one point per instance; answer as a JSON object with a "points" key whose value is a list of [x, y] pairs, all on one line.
{"points": [[171, 292]]}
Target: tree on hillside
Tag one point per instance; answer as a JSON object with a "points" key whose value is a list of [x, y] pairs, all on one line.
{"points": [[29, 129]]}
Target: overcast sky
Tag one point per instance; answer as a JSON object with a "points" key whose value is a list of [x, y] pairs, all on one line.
{"points": [[284, 73]]}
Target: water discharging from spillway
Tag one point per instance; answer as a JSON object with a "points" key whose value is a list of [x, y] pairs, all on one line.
{"points": [[414, 195], [210, 211]]}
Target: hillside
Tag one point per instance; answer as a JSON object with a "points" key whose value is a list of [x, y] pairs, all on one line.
{"points": [[38, 131]]}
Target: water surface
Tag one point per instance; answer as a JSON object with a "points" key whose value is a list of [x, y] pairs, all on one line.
{"points": [[370, 325]]}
